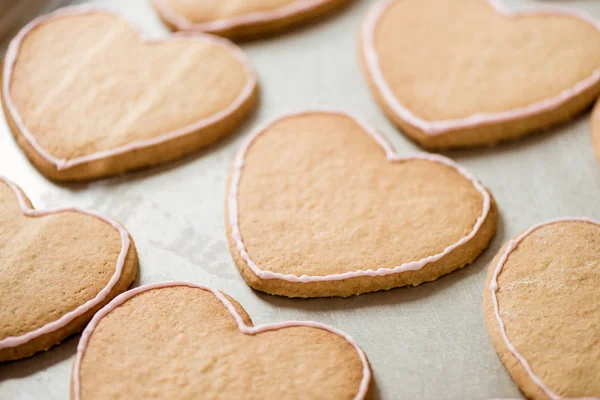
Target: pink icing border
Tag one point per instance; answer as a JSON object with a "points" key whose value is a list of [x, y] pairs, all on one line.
{"points": [[182, 23], [63, 164], [13, 341], [436, 128], [392, 157], [494, 287], [248, 330]]}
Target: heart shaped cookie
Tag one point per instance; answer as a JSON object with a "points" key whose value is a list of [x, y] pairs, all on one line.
{"points": [[86, 97], [542, 309], [469, 72], [191, 341], [320, 205], [242, 19], [58, 268]]}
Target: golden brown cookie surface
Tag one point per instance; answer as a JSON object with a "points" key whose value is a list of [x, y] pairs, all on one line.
{"points": [[102, 100], [188, 339], [241, 19], [541, 305], [470, 72], [320, 205], [58, 267]]}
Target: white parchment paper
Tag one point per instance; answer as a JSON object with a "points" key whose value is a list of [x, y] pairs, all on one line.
{"points": [[428, 342]]}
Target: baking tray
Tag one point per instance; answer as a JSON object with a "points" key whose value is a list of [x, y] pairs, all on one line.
{"points": [[428, 342]]}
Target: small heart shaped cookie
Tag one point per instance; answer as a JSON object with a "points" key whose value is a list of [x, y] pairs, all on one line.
{"points": [[58, 268], [190, 341], [320, 205], [469, 72], [86, 97], [242, 19], [542, 309]]}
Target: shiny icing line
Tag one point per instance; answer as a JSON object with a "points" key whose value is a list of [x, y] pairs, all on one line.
{"points": [[63, 164], [64, 320], [219, 25], [494, 287], [440, 127], [247, 330], [392, 157]]}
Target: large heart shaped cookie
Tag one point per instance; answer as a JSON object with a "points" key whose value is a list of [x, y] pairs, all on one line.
{"points": [[192, 342], [320, 205], [242, 19], [469, 72], [542, 308], [57, 268], [86, 97]]}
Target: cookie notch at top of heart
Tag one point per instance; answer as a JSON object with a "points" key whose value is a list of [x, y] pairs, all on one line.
{"points": [[320, 205], [58, 267], [104, 100], [471, 72], [210, 346], [243, 20]]}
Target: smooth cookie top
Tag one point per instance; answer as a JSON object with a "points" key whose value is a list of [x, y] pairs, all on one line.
{"points": [[319, 196], [102, 88]]}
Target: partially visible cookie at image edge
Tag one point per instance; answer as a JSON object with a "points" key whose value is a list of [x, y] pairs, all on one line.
{"points": [[471, 72], [242, 19], [57, 267], [205, 343], [541, 306]]}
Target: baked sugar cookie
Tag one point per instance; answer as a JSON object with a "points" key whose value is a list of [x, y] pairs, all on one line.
{"points": [[191, 341], [470, 72], [320, 205], [57, 267], [242, 19], [542, 308], [102, 100]]}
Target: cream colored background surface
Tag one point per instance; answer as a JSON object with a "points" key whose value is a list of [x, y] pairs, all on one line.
{"points": [[428, 342]]}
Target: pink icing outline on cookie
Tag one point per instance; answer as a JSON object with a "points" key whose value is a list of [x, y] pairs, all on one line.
{"points": [[440, 127], [248, 330], [64, 320], [63, 164], [494, 287], [219, 25], [392, 157]]}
